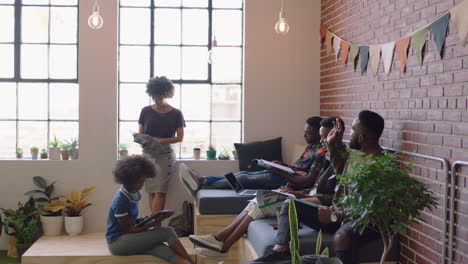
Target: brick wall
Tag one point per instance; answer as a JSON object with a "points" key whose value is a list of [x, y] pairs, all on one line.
{"points": [[425, 109]]}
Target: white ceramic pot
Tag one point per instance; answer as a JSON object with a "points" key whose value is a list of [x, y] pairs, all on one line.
{"points": [[73, 225], [54, 153], [52, 225], [74, 154]]}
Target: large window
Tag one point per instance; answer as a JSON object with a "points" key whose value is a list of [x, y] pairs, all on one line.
{"points": [[172, 38], [38, 73]]}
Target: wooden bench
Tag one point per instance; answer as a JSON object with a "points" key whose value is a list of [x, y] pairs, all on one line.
{"points": [[86, 248]]}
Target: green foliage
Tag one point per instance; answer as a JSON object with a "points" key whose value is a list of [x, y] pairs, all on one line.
{"points": [[224, 155], [318, 246], [293, 227], [34, 148], [23, 223], [211, 147], [43, 152], [54, 143], [19, 151], [73, 143], [65, 146], [44, 192], [122, 146]]}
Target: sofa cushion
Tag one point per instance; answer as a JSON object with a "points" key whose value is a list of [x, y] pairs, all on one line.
{"points": [[268, 150], [212, 201], [262, 237]]}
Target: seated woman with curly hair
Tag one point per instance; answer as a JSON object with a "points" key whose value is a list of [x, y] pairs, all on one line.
{"points": [[123, 236]]}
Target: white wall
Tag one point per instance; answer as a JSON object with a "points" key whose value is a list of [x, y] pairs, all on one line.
{"points": [[281, 91]]}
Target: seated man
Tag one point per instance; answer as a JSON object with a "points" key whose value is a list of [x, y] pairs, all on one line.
{"points": [[322, 193], [266, 179]]}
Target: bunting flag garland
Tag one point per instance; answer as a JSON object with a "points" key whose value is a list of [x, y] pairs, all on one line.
{"points": [[439, 31], [344, 51], [458, 15], [387, 55], [402, 51], [364, 55], [371, 54], [336, 46], [328, 42], [374, 58], [353, 54]]}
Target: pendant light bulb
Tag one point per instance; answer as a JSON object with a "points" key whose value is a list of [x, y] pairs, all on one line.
{"points": [[95, 21], [282, 26], [213, 51]]}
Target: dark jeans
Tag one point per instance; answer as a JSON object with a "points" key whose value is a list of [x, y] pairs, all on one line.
{"points": [[307, 215], [350, 255], [249, 180]]}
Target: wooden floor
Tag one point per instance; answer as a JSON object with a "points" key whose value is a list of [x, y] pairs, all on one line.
{"points": [[87, 248]]}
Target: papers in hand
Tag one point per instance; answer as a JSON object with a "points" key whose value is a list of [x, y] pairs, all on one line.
{"points": [[269, 164], [268, 197]]}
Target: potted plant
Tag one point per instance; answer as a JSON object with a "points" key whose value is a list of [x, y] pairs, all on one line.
{"points": [[54, 149], [19, 153], [211, 153], [34, 152], [44, 154], [74, 204], [73, 148], [51, 218], [381, 195], [65, 151], [196, 153], [123, 150], [224, 155]]}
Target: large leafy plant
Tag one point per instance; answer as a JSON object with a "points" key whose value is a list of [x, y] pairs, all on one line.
{"points": [[44, 195], [381, 195], [74, 203], [23, 223]]}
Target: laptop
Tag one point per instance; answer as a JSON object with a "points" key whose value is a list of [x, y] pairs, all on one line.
{"points": [[237, 186]]}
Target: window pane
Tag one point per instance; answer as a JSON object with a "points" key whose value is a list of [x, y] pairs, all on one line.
{"points": [[167, 62], [7, 1], [36, 2], [196, 134], [167, 2], [224, 135], [64, 101], [135, 26], [195, 3], [35, 23], [63, 62], [133, 98], [34, 61], [31, 133], [196, 101], [134, 64], [125, 136], [175, 100], [64, 130], [7, 61], [7, 20], [63, 25], [135, 2], [32, 101], [195, 26], [194, 63], [167, 26], [228, 27], [8, 136], [227, 4], [64, 2], [226, 102], [227, 65], [7, 101]]}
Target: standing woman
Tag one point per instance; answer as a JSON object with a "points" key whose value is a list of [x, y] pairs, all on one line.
{"points": [[165, 124]]}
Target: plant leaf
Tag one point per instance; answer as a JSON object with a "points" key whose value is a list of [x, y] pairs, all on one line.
{"points": [[40, 182]]}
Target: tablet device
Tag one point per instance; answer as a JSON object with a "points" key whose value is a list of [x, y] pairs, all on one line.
{"points": [[162, 213]]}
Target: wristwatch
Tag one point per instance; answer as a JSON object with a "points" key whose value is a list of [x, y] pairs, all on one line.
{"points": [[333, 216]]}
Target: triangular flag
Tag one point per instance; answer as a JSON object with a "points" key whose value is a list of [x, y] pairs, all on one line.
{"points": [[402, 51], [419, 40], [439, 31], [387, 55], [323, 32], [328, 42], [374, 58], [336, 46], [458, 16], [344, 51], [364, 55], [353, 54]]}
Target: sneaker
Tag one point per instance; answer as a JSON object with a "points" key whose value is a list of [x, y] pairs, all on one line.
{"points": [[273, 257], [208, 253], [207, 241], [190, 177]]}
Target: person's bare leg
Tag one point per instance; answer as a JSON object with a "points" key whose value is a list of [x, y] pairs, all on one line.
{"points": [[150, 199], [281, 247], [181, 260], [180, 250], [237, 233], [224, 233], [158, 202]]}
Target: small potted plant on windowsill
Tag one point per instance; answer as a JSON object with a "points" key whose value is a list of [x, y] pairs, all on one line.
{"points": [[19, 153], [44, 154], [224, 155], [65, 151], [54, 149], [211, 153], [123, 150], [73, 148], [34, 152]]}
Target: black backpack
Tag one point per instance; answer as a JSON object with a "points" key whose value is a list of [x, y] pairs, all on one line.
{"points": [[183, 224]]}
